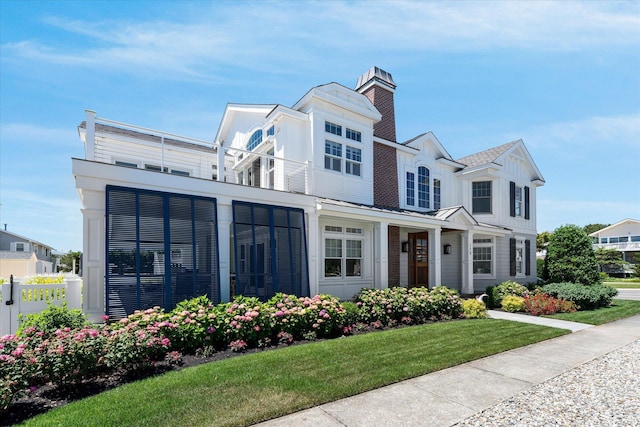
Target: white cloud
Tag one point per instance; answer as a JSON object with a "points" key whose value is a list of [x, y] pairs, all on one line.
{"points": [[268, 36]]}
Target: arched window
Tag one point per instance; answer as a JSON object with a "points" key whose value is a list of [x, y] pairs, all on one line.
{"points": [[255, 140], [423, 187]]}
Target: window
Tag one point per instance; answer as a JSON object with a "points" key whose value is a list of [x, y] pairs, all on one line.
{"points": [[271, 131], [19, 247], [518, 201], [436, 194], [271, 170], [179, 172], [155, 168], [333, 156], [354, 134], [423, 187], [623, 239], [333, 128], [255, 140], [483, 256], [126, 164], [411, 200], [343, 252], [354, 159], [481, 197], [520, 254], [613, 240], [635, 238], [603, 240]]}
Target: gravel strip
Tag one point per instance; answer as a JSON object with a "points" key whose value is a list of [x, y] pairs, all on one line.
{"points": [[602, 392]]}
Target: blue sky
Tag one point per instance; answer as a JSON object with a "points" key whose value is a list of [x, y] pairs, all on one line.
{"points": [[563, 76]]}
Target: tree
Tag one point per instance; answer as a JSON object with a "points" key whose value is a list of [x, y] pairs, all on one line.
{"points": [[66, 261], [570, 257], [592, 228], [542, 239], [609, 259]]}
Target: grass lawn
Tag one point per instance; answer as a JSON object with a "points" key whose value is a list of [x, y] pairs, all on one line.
{"points": [[619, 309], [623, 285], [257, 387]]}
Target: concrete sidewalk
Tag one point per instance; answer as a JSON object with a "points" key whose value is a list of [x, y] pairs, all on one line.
{"points": [[446, 397]]}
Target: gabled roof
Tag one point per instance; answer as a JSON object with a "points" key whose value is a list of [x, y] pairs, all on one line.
{"points": [[341, 96], [24, 239], [430, 137], [486, 156], [617, 224], [16, 255], [498, 155]]}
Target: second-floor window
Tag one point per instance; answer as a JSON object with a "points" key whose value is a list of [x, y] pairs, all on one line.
{"points": [[333, 156], [354, 160], [411, 198], [436, 194], [333, 128], [423, 187], [519, 201], [481, 197], [354, 135], [255, 140], [19, 247]]}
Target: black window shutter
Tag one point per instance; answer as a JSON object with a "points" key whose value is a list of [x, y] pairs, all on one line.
{"points": [[527, 257], [512, 257], [526, 203], [512, 198]]}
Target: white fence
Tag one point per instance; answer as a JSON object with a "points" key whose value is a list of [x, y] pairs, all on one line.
{"points": [[22, 298]]}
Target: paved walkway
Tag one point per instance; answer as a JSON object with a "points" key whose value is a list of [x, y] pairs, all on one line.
{"points": [[446, 397]]}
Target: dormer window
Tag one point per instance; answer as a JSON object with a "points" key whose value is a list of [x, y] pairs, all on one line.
{"points": [[255, 140], [271, 131]]}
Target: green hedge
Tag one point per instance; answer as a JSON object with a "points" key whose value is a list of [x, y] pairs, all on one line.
{"points": [[586, 297]]}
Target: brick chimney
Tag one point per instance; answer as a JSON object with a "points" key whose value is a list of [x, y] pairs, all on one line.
{"points": [[378, 85]]}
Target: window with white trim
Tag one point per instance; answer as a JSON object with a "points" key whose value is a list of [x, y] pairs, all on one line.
{"points": [[354, 135], [333, 156], [423, 187], [333, 128], [411, 195], [354, 161], [519, 211], [436, 194], [19, 247], [343, 252], [520, 257], [483, 256], [481, 197]]}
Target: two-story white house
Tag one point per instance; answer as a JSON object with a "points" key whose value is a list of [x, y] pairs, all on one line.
{"points": [[318, 197]]}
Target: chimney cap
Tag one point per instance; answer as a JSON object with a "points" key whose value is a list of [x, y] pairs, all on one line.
{"points": [[376, 74]]}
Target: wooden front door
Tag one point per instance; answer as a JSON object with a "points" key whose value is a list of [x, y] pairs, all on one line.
{"points": [[418, 259]]}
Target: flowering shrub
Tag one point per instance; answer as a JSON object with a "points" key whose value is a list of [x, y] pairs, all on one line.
{"points": [[513, 304], [322, 314], [545, 304], [410, 306], [18, 369], [198, 325], [474, 309], [244, 319], [138, 341]]}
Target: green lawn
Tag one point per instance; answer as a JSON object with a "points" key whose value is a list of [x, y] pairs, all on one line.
{"points": [[619, 309], [256, 387], [623, 285]]}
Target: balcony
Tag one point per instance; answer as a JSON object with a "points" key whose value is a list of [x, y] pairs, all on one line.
{"points": [[622, 247], [126, 145]]}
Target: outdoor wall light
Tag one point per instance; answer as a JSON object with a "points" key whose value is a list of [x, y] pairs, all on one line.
{"points": [[405, 246], [447, 249]]}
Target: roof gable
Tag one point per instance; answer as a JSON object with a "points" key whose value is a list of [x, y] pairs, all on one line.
{"points": [[340, 96], [430, 139], [499, 156], [625, 226]]}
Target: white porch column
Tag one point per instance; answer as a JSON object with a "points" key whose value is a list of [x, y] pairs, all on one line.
{"points": [[225, 219], [436, 256], [467, 262], [221, 171], [93, 256], [381, 255], [313, 247]]}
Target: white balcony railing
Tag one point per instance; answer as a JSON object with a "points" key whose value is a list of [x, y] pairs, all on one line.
{"points": [[623, 247], [123, 144]]}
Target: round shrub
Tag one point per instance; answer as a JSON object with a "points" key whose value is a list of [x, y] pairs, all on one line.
{"points": [[513, 303], [474, 309], [52, 318], [570, 257]]}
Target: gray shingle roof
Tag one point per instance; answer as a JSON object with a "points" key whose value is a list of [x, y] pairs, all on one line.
{"points": [[486, 156]]}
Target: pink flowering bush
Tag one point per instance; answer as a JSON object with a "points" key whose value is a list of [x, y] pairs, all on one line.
{"points": [[323, 315], [19, 369], [199, 324], [392, 306], [138, 341], [244, 319]]}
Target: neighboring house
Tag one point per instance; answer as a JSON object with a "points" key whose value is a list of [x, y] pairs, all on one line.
{"points": [[21, 256], [623, 236], [315, 198]]}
